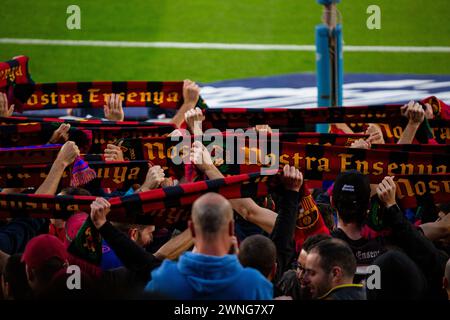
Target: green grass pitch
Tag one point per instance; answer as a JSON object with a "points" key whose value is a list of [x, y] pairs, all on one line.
{"points": [[403, 23]]}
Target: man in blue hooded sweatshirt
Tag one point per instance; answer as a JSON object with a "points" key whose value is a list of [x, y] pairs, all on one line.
{"points": [[210, 273]]}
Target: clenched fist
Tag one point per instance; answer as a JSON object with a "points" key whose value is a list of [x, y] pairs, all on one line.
{"points": [[69, 151]]}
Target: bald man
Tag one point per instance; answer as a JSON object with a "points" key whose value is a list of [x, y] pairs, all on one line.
{"points": [[210, 273]]}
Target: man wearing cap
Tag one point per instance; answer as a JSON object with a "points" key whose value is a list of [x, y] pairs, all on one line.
{"points": [[45, 256], [351, 198]]}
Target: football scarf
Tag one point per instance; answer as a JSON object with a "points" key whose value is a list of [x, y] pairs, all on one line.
{"points": [[15, 81], [166, 206], [152, 94]]}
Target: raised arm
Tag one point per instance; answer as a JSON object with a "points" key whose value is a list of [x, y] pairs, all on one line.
{"points": [[415, 113], [420, 249], [246, 207], [66, 156], [283, 231], [191, 93]]}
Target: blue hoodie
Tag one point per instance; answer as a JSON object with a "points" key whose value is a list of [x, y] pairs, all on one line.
{"points": [[202, 277]]}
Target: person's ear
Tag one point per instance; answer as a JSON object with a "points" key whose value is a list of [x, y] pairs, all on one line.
{"points": [[231, 228], [336, 273], [133, 233], [445, 283], [30, 273], [273, 272], [6, 293], [191, 227]]}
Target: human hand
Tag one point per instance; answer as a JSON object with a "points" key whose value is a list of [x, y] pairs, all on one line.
{"points": [[375, 134], [292, 178], [155, 176], [200, 157], [66, 156], [414, 112], [386, 191], [61, 134], [361, 144], [99, 210], [113, 108], [113, 153], [191, 92], [194, 119], [5, 111]]}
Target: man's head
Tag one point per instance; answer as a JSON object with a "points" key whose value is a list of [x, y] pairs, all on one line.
{"points": [[400, 278], [44, 256], [351, 194], [259, 252], [72, 191], [139, 233], [212, 224], [309, 243], [330, 263]]}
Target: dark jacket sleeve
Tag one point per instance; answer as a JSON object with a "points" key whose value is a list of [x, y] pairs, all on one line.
{"points": [[283, 231], [420, 249], [15, 235], [132, 256]]}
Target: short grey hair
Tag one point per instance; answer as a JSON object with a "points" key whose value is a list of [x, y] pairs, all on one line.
{"points": [[211, 212]]}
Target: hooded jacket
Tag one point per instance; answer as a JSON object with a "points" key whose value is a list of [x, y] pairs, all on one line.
{"points": [[202, 277]]}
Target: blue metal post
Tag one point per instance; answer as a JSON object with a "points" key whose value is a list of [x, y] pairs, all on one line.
{"points": [[329, 69]]}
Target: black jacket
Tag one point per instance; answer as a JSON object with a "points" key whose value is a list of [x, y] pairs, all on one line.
{"points": [[283, 232], [129, 280], [420, 249], [346, 292]]}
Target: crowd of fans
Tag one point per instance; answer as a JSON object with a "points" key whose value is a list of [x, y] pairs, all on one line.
{"points": [[233, 249]]}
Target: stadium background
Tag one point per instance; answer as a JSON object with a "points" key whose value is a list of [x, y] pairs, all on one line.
{"points": [[403, 23]]}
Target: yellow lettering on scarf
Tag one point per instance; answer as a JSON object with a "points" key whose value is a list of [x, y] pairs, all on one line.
{"points": [[297, 159], [434, 186], [63, 98], [150, 154], [378, 168], [362, 166], [397, 132], [93, 96], [103, 173], [158, 97], [391, 166], [131, 97], [44, 99], [283, 159], [77, 98], [54, 98], [32, 100], [344, 162], [134, 173], [146, 97], [408, 188], [406, 168], [172, 97], [119, 174]]}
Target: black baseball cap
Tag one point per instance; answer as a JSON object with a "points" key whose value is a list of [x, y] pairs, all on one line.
{"points": [[351, 191]]}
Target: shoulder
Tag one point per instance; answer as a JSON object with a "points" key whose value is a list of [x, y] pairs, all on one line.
{"points": [[250, 275], [167, 268]]}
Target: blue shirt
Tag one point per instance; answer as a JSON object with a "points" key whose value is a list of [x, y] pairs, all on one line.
{"points": [[202, 277]]}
